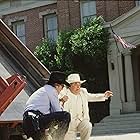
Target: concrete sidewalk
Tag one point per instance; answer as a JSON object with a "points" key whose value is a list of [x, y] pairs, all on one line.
{"points": [[129, 136]]}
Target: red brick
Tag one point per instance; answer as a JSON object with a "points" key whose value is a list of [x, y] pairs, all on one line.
{"points": [[68, 13]]}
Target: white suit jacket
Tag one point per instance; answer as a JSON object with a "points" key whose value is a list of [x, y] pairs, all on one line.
{"points": [[86, 97]]}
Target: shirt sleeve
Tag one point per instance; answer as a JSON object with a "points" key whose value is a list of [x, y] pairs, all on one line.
{"points": [[54, 102], [66, 104], [92, 97], [62, 93]]}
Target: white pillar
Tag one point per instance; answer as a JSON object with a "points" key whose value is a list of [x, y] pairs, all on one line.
{"points": [[130, 105], [114, 83]]}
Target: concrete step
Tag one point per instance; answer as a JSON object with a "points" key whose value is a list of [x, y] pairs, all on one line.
{"points": [[115, 131], [126, 123], [118, 122], [129, 136], [122, 126], [121, 118]]}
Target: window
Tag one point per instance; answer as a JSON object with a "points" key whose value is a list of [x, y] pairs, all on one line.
{"points": [[19, 30], [50, 27], [88, 10]]}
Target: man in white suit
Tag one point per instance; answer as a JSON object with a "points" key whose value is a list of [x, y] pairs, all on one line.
{"points": [[75, 101]]}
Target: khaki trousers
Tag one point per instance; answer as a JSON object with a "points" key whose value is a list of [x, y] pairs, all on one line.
{"points": [[84, 127]]}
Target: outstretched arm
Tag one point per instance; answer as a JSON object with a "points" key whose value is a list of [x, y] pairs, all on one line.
{"points": [[92, 97]]}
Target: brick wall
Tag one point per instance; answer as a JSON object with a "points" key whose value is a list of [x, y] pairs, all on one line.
{"points": [[33, 25], [111, 9], [101, 8], [68, 16]]}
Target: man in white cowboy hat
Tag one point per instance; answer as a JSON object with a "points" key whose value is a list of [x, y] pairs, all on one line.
{"points": [[75, 101]]}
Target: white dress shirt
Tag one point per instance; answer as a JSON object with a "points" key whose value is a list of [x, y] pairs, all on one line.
{"points": [[45, 99]]}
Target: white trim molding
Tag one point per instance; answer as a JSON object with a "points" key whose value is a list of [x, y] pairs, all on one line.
{"points": [[16, 19], [48, 11]]}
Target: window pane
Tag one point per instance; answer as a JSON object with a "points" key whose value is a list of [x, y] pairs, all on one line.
{"points": [[88, 10], [92, 8], [55, 34], [85, 9], [50, 27], [52, 35], [22, 39], [52, 23], [19, 30]]}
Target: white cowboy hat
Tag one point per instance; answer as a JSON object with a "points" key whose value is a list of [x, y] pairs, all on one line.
{"points": [[72, 78]]}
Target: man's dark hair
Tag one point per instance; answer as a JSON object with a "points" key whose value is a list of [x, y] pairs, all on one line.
{"points": [[57, 77]]}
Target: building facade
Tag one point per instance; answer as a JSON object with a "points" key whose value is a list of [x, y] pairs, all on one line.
{"points": [[124, 78], [33, 20]]}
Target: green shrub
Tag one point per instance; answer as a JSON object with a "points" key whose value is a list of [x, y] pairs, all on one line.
{"points": [[83, 50]]}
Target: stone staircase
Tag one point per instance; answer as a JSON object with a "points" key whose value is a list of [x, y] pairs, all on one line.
{"points": [[121, 124]]}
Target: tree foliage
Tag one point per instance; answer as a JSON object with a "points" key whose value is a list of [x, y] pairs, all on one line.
{"points": [[82, 50], [46, 53]]}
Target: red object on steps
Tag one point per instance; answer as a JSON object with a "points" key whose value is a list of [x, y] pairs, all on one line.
{"points": [[9, 89]]}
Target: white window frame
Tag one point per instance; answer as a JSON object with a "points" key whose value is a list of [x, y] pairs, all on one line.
{"points": [[50, 32], [89, 13], [17, 26]]}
